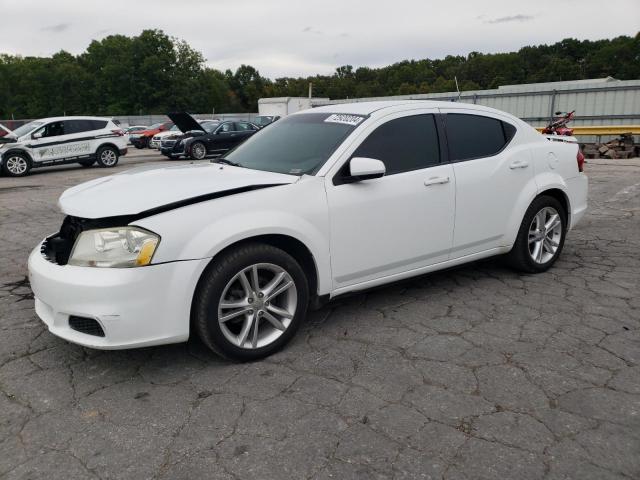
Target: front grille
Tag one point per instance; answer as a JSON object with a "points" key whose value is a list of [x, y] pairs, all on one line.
{"points": [[57, 248], [86, 325], [168, 143]]}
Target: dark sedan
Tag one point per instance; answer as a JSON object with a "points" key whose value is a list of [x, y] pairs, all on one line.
{"points": [[200, 140]]}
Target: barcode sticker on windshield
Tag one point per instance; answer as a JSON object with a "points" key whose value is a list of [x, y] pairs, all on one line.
{"points": [[342, 118]]}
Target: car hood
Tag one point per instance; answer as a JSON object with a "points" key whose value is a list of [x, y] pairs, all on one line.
{"points": [[151, 189], [184, 122]]}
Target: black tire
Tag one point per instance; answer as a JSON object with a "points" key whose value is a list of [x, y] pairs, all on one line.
{"points": [[520, 257], [16, 164], [107, 156], [198, 147], [212, 285], [87, 163], [138, 145]]}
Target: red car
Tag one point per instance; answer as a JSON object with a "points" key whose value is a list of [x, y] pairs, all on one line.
{"points": [[142, 139]]}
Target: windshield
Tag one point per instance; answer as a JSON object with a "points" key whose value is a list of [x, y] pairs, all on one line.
{"points": [[262, 120], [27, 128], [155, 126], [297, 145]]}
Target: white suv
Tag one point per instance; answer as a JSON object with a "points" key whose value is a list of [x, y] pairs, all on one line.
{"points": [[53, 141], [321, 203]]}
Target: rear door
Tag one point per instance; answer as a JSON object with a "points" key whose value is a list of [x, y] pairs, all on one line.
{"points": [[492, 172]]}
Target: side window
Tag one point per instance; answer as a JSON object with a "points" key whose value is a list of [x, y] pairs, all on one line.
{"points": [[99, 124], [54, 129], [243, 127], [225, 127], [77, 126], [403, 144], [475, 136]]}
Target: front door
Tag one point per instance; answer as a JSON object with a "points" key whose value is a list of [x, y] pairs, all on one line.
{"points": [[402, 221]]}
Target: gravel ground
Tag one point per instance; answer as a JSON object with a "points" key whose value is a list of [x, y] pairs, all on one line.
{"points": [[476, 372]]}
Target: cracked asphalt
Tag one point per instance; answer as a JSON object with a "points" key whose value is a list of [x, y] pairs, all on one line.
{"points": [[476, 372]]}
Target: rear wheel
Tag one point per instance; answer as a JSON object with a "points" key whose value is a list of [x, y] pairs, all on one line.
{"points": [[107, 157], [250, 302], [198, 150], [16, 165], [541, 236]]}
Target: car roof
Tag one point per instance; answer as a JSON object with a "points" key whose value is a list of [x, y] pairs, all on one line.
{"points": [[79, 117], [367, 108]]}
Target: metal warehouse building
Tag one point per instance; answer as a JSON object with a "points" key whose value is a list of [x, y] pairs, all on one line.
{"points": [[601, 101]]}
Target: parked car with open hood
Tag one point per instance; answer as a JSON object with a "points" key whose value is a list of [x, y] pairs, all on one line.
{"points": [[54, 141], [323, 202], [172, 146], [226, 135], [142, 139]]}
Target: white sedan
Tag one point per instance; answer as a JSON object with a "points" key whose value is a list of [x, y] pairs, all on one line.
{"points": [[321, 203]]}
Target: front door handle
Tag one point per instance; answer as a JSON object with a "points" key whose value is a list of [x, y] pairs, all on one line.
{"points": [[435, 181], [518, 164]]}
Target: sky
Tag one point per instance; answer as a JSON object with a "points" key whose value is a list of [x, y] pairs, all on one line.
{"points": [[301, 38]]}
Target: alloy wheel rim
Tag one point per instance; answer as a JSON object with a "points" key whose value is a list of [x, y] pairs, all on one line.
{"points": [[108, 157], [16, 165], [545, 233], [257, 305], [198, 151]]}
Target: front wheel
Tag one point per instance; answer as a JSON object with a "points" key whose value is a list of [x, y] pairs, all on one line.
{"points": [[198, 151], [107, 157], [16, 165], [250, 302], [541, 236]]}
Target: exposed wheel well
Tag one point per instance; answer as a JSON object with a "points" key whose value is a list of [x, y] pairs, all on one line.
{"points": [[17, 150], [115, 147], [562, 198], [293, 247]]}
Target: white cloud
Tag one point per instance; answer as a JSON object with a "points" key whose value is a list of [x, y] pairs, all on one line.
{"points": [[292, 38]]}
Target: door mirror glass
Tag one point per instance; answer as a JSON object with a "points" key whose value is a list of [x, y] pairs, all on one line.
{"points": [[362, 168], [37, 135]]}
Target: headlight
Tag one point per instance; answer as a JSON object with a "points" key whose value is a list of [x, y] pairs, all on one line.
{"points": [[120, 247]]}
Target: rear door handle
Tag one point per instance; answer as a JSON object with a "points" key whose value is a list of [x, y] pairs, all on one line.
{"points": [[435, 181], [518, 164]]}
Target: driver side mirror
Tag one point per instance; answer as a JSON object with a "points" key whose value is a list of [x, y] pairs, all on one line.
{"points": [[362, 168], [37, 135]]}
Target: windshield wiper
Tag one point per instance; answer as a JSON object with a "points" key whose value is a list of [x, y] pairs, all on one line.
{"points": [[226, 162]]}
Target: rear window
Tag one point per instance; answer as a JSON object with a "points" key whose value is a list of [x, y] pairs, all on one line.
{"points": [[475, 136]]}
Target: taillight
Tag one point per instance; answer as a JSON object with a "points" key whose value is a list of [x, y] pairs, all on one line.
{"points": [[580, 159], [118, 132]]}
